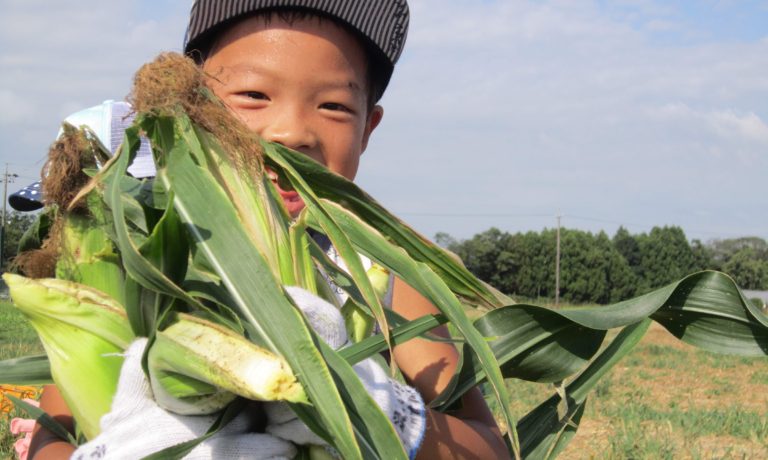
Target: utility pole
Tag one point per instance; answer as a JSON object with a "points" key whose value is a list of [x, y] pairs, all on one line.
{"points": [[557, 264], [6, 178]]}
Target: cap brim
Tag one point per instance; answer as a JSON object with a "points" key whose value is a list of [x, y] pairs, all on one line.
{"points": [[27, 199]]}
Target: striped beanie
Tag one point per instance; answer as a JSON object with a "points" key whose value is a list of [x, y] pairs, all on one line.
{"points": [[383, 24]]}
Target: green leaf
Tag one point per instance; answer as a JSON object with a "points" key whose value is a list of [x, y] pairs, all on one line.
{"points": [[324, 221], [709, 311], [375, 433], [547, 429], [326, 184], [536, 343], [141, 270], [27, 370], [34, 236], [420, 276], [400, 334], [531, 343], [214, 225], [43, 419]]}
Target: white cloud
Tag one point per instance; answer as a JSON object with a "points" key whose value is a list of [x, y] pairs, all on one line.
{"points": [[557, 105], [730, 126], [59, 57], [661, 25], [520, 107], [748, 126], [14, 108]]}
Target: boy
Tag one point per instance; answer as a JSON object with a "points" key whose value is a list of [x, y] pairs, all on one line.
{"points": [[308, 74]]}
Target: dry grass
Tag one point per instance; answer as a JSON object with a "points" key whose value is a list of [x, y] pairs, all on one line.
{"points": [[665, 400], [670, 400], [17, 338]]}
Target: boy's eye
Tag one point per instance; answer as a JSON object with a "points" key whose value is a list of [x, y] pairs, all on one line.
{"points": [[336, 107], [257, 95]]}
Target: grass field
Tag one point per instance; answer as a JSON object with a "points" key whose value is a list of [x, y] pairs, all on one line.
{"points": [[16, 339], [666, 400]]}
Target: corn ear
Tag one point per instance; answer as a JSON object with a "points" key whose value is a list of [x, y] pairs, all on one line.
{"points": [[198, 367], [83, 332], [88, 256], [359, 322], [320, 453]]}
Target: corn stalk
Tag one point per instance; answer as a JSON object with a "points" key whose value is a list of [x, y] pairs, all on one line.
{"points": [[210, 238]]}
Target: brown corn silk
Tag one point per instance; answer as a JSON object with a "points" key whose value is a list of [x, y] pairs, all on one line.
{"points": [[63, 180], [173, 84]]}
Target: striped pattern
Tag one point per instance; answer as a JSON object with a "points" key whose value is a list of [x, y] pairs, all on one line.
{"points": [[384, 22], [122, 116]]}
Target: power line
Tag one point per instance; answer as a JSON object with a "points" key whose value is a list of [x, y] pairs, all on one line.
{"points": [[27, 177], [464, 215], [629, 224], [449, 214]]}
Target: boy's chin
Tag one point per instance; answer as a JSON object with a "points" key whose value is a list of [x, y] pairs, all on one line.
{"points": [[293, 206]]}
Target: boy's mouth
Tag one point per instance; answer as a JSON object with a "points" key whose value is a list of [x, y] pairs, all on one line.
{"points": [[291, 199]]}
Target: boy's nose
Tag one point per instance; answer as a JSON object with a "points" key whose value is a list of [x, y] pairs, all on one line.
{"points": [[290, 130]]}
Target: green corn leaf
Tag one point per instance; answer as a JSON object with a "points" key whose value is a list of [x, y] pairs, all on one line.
{"points": [[167, 249], [546, 430], [420, 276], [135, 196], [214, 225], [255, 201], [43, 419], [141, 270], [403, 331], [536, 343], [326, 184], [708, 310], [82, 331], [330, 227], [34, 236], [531, 343], [27, 370]]}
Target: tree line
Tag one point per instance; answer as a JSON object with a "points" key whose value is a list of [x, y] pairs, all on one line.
{"points": [[16, 223], [596, 268]]}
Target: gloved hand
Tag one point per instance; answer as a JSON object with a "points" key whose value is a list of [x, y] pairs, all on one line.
{"points": [[136, 426], [402, 404]]}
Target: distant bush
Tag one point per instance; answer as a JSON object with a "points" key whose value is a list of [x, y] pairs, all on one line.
{"points": [[597, 269]]}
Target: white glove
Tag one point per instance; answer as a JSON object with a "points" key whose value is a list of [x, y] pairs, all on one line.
{"points": [[402, 404], [136, 426]]}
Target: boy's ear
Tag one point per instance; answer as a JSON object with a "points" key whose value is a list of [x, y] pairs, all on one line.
{"points": [[374, 118]]}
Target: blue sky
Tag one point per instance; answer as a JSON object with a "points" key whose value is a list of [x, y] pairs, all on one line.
{"points": [[500, 113]]}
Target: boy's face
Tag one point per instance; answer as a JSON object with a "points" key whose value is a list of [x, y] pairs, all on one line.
{"points": [[302, 85]]}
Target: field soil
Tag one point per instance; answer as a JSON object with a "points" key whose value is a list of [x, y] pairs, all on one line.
{"points": [[665, 400], [668, 399]]}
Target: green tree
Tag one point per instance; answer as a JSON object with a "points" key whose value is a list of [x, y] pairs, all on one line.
{"points": [[445, 240], [628, 247], [723, 250], [622, 280], [702, 256], [480, 253], [16, 223], [666, 256], [748, 269], [593, 270], [529, 261]]}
